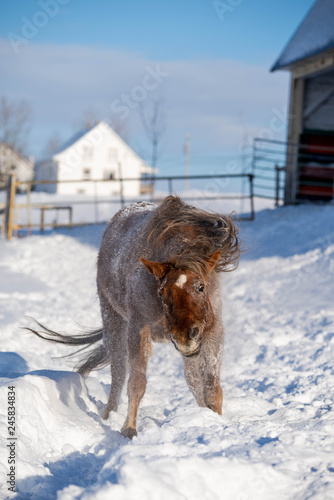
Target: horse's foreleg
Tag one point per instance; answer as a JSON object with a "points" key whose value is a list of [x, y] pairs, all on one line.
{"points": [[194, 378], [213, 393], [140, 350]]}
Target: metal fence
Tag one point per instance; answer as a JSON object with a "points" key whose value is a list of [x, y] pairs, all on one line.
{"points": [[12, 223], [302, 171], [268, 167]]}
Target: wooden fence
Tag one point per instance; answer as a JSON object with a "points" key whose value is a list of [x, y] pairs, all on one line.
{"points": [[10, 210]]}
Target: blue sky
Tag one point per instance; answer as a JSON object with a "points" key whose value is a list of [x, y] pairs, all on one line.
{"points": [[213, 58]]}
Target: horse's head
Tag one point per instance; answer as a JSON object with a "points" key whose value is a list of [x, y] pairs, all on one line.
{"points": [[184, 294]]}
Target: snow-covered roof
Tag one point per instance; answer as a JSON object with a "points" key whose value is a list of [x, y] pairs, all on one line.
{"points": [[72, 140], [314, 35], [27, 161], [105, 128]]}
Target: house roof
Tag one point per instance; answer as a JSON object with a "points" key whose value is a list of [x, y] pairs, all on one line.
{"points": [[72, 140], [82, 133], [314, 35]]}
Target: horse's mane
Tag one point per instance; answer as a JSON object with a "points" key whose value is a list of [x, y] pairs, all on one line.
{"points": [[203, 232]]}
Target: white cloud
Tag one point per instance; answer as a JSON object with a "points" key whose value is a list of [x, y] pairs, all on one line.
{"points": [[218, 101]]}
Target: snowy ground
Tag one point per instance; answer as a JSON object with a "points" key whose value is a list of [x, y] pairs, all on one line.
{"points": [[275, 439]]}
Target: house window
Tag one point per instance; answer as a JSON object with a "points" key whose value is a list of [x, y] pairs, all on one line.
{"points": [[86, 174], [112, 154], [108, 174], [87, 153]]}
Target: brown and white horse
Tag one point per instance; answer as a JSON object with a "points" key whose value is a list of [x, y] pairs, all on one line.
{"points": [[158, 280]]}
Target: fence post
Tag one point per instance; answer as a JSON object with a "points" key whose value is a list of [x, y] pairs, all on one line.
{"points": [[121, 185], [277, 185], [251, 195], [96, 209], [10, 199], [42, 219], [28, 192], [121, 193], [170, 185]]}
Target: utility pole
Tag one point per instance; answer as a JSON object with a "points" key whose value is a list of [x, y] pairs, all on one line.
{"points": [[187, 161]]}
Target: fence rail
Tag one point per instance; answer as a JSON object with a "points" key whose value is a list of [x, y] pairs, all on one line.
{"points": [[309, 167], [11, 223], [268, 165]]}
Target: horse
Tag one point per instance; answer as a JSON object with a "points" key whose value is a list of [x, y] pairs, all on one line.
{"points": [[158, 281]]}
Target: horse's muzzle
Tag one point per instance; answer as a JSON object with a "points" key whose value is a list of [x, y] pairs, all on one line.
{"points": [[185, 351], [193, 353]]}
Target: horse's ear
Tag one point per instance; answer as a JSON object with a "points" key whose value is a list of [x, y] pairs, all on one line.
{"points": [[213, 259], [158, 269]]}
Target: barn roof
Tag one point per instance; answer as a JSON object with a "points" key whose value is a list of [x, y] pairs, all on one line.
{"points": [[314, 35]]}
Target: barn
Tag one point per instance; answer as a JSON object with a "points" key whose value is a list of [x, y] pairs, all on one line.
{"points": [[309, 56]]}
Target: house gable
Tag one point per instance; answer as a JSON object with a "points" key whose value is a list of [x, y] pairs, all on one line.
{"points": [[90, 139], [12, 162], [97, 154]]}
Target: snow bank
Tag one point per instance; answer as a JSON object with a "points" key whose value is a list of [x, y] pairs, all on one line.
{"points": [[275, 438]]}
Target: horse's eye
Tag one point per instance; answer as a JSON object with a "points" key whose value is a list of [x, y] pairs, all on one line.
{"points": [[201, 288]]}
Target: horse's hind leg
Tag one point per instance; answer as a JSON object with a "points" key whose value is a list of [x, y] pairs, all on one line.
{"points": [[118, 370], [114, 337], [140, 349]]}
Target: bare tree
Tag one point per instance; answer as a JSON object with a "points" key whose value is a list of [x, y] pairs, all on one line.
{"points": [[53, 144], [89, 117], [14, 123], [121, 127], [14, 130], [153, 119]]}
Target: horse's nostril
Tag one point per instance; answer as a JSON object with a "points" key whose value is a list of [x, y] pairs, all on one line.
{"points": [[193, 333]]}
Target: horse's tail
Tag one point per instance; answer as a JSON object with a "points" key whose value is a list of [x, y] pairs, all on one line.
{"points": [[97, 358]]}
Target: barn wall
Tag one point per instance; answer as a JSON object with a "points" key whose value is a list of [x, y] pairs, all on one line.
{"points": [[315, 172], [318, 106]]}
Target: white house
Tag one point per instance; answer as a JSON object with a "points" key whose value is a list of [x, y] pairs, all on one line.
{"points": [[97, 153], [12, 162]]}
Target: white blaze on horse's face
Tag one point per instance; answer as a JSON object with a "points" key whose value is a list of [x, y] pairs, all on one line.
{"points": [[181, 281]]}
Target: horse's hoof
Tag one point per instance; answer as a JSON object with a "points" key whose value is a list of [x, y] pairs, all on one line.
{"points": [[105, 415], [129, 432]]}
